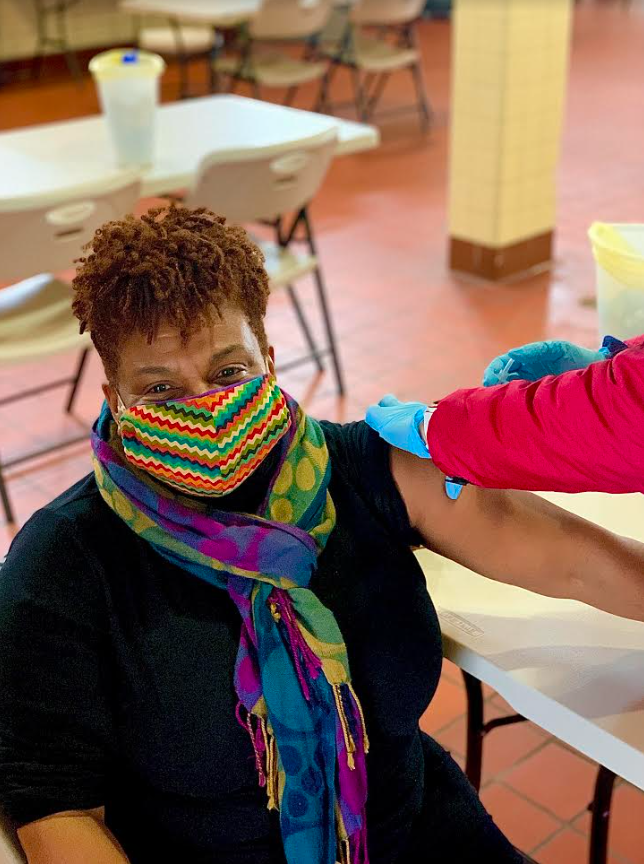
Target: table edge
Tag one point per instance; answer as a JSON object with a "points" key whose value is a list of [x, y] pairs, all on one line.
{"points": [[590, 739]]}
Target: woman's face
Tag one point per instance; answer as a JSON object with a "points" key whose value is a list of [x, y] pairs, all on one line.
{"points": [[222, 353]]}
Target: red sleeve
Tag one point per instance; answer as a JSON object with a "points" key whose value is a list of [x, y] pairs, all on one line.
{"points": [[636, 342], [577, 432]]}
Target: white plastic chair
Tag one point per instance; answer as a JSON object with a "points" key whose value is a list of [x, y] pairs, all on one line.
{"points": [[182, 43], [261, 65], [373, 58], [263, 186], [44, 236]]}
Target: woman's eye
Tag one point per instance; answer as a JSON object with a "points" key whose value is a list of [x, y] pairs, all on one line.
{"points": [[158, 389], [231, 372]]}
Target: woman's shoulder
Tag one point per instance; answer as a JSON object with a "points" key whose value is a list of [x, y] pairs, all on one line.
{"points": [[81, 500], [350, 441], [76, 512], [360, 468], [60, 544]]}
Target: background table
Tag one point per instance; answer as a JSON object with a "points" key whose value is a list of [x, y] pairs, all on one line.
{"points": [[43, 159], [214, 13]]}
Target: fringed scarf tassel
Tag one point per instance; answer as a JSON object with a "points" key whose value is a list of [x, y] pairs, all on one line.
{"points": [[265, 750], [357, 717]]}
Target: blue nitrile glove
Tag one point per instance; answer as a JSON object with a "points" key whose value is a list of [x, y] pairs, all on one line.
{"points": [[538, 359], [398, 424]]}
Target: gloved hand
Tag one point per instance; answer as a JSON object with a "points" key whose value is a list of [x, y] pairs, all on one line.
{"points": [[538, 359], [398, 423]]}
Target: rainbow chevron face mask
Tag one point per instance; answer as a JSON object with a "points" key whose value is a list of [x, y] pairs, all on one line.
{"points": [[207, 445]]}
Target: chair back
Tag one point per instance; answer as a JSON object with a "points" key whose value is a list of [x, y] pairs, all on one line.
{"points": [[262, 184], [46, 234], [290, 19], [386, 12], [36, 321]]}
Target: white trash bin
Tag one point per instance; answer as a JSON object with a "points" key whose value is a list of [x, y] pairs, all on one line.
{"points": [[128, 87], [619, 255]]}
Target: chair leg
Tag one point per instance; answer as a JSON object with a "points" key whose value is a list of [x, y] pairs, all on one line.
{"points": [[184, 83], [4, 498], [323, 103], [213, 75], [290, 94], [303, 217], [71, 59], [77, 377], [424, 106], [475, 730], [328, 325], [377, 93], [36, 69], [304, 324], [600, 807], [359, 95], [215, 80], [211, 59]]}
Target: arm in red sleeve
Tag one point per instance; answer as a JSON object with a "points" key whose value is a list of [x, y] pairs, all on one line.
{"points": [[636, 342], [577, 432]]}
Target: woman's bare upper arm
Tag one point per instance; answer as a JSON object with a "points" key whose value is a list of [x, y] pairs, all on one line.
{"points": [[442, 522], [522, 539], [513, 537]]}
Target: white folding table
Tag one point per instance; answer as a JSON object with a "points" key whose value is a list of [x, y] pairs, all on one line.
{"points": [[39, 160], [573, 670], [212, 13]]}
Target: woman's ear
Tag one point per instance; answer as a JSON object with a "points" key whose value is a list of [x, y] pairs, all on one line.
{"points": [[111, 398]]}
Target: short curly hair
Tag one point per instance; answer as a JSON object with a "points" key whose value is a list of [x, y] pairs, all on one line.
{"points": [[172, 265]]}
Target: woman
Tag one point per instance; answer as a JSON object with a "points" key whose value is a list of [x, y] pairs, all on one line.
{"points": [[577, 432], [212, 643]]}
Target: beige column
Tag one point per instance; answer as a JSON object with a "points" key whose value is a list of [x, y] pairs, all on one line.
{"points": [[509, 74]]}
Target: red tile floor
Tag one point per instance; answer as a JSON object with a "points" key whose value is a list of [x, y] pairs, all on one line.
{"points": [[408, 325]]}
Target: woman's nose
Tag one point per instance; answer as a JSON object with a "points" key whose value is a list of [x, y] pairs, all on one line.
{"points": [[198, 386]]}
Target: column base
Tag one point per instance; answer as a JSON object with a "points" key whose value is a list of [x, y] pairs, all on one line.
{"points": [[504, 262]]}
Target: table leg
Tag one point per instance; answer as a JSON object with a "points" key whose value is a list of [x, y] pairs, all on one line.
{"points": [[475, 730], [600, 808]]}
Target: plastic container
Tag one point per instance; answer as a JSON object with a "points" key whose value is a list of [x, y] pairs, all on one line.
{"points": [[619, 255], [127, 81]]}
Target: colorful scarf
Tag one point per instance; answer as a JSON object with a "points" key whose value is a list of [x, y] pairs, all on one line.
{"points": [[292, 673]]}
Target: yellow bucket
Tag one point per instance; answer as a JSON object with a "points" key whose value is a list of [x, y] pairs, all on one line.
{"points": [[618, 250]]}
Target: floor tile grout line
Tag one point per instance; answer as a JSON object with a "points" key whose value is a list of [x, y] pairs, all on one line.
{"points": [[621, 859], [564, 823], [547, 840], [500, 775]]}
